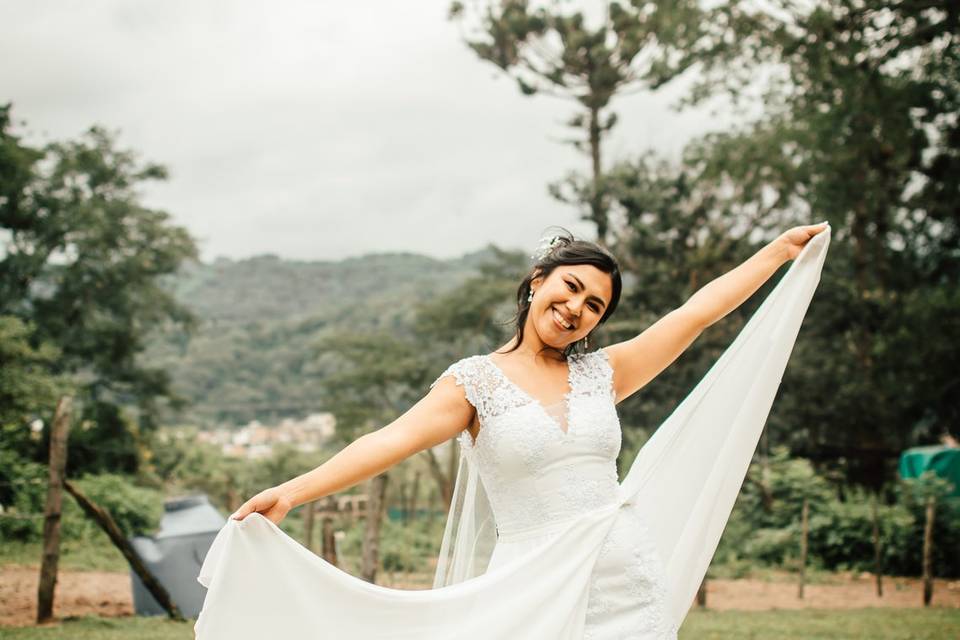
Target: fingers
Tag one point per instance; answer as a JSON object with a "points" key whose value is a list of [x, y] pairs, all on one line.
{"points": [[246, 508], [264, 502], [810, 231], [242, 512]]}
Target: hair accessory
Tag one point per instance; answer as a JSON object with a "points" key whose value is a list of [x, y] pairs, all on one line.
{"points": [[547, 244]]}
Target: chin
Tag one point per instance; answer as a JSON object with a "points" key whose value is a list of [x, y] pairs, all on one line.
{"points": [[560, 346]]}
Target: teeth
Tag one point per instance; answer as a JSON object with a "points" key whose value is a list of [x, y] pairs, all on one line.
{"points": [[563, 323]]}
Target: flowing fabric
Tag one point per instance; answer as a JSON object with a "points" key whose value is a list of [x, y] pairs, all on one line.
{"points": [[682, 485]]}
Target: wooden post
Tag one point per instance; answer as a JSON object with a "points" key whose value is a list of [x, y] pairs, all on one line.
{"points": [[432, 501], [371, 535], [413, 495], [102, 517], [404, 512], [702, 594], [308, 517], [59, 434], [928, 552], [804, 530], [328, 542], [877, 550]]}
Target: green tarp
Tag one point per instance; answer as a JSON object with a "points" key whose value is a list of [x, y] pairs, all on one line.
{"points": [[943, 460]]}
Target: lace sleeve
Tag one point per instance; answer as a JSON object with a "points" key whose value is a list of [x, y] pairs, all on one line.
{"points": [[596, 373], [469, 374]]}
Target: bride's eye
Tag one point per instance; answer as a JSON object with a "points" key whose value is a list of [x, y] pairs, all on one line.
{"points": [[570, 284]]}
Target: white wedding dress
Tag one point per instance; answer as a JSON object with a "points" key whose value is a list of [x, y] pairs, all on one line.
{"points": [[543, 467], [542, 541]]}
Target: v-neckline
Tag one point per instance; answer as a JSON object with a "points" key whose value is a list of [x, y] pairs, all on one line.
{"points": [[565, 400]]}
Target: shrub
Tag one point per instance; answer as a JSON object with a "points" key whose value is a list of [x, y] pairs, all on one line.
{"points": [[764, 527], [136, 510], [26, 484]]}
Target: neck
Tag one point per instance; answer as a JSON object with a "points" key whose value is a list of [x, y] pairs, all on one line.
{"points": [[533, 347]]}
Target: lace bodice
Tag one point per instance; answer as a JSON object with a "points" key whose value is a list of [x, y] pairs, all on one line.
{"points": [[539, 467]]}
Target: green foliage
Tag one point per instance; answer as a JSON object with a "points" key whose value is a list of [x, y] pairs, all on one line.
{"points": [[136, 510], [676, 238], [841, 534], [408, 547], [28, 391], [23, 484], [906, 549], [764, 527], [82, 267], [259, 352], [178, 464], [859, 127], [556, 51]]}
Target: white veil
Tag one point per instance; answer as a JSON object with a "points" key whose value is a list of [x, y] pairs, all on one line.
{"points": [[470, 533], [687, 476]]}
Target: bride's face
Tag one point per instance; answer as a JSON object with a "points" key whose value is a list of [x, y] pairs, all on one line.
{"points": [[576, 295]]}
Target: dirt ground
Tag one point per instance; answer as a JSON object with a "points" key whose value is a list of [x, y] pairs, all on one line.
{"points": [[77, 593], [109, 594]]}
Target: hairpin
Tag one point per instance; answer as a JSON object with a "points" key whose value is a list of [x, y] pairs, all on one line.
{"points": [[547, 244]]}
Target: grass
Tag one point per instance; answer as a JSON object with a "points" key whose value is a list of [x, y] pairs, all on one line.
{"points": [[94, 628], [877, 624], [94, 554], [813, 624]]}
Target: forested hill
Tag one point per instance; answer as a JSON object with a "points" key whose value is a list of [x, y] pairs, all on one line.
{"points": [[267, 287], [254, 354]]}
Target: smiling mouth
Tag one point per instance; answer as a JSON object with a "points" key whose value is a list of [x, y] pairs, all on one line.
{"points": [[564, 324]]}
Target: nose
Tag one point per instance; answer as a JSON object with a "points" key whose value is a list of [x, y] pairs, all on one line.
{"points": [[573, 306]]}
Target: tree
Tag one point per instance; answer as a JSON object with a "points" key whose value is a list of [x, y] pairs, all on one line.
{"points": [[677, 234], [27, 390], [860, 126], [636, 46], [83, 263]]}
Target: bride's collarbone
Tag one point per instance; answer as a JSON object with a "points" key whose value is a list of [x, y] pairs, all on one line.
{"points": [[547, 384]]}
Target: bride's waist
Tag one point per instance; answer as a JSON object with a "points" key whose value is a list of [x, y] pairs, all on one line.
{"points": [[517, 529]]}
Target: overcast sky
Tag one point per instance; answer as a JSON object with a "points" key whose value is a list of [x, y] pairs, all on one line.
{"points": [[313, 130]]}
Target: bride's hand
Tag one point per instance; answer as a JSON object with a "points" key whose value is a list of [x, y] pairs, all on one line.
{"points": [[793, 240], [271, 503]]}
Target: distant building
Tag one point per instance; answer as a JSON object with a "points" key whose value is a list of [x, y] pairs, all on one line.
{"points": [[256, 440]]}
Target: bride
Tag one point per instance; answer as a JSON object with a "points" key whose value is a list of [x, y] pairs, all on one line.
{"points": [[542, 541]]}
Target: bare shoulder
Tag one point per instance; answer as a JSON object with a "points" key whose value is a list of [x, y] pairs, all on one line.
{"points": [[438, 416], [640, 359]]}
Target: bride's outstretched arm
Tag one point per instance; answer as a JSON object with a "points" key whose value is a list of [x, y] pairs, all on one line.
{"points": [[719, 297], [435, 418], [638, 360]]}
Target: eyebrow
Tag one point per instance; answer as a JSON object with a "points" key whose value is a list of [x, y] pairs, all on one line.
{"points": [[590, 297]]}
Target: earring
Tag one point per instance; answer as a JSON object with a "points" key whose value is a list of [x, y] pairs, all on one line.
{"points": [[530, 297]]}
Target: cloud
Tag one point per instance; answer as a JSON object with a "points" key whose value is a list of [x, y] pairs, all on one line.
{"points": [[312, 130]]}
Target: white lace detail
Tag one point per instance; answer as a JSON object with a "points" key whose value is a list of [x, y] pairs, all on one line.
{"points": [[536, 473], [629, 604], [517, 434]]}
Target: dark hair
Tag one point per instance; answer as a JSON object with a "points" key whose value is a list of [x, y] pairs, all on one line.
{"points": [[567, 250]]}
